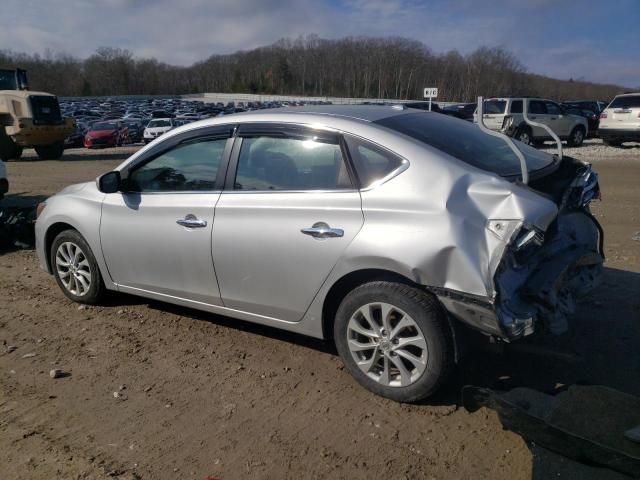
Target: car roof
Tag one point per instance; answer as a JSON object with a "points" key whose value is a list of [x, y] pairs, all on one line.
{"points": [[367, 113]]}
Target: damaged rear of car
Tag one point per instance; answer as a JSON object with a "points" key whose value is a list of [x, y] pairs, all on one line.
{"points": [[546, 251]]}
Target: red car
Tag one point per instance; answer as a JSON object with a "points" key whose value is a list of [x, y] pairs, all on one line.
{"points": [[106, 134]]}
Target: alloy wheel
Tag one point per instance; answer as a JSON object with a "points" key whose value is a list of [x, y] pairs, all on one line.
{"points": [[73, 268], [387, 344]]}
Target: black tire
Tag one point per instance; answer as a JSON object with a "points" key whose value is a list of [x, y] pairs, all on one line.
{"points": [[50, 152], [611, 143], [9, 150], [428, 316], [524, 135], [576, 137], [96, 288]]}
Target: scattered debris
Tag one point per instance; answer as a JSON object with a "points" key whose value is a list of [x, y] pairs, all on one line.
{"points": [[56, 373], [636, 237], [11, 348], [17, 227], [29, 355]]}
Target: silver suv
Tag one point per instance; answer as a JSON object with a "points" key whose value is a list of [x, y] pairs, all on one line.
{"points": [[388, 230], [620, 121], [505, 115]]}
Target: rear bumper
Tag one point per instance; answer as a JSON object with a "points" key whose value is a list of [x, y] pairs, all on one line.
{"points": [[623, 135]]}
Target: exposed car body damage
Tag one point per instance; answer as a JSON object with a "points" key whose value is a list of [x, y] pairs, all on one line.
{"points": [[505, 258]]}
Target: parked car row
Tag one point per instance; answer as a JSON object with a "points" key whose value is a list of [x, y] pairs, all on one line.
{"points": [[572, 121], [113, 122]]}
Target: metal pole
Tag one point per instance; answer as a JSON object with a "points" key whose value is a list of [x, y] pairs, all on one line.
{"points": [[429, 103], [523, 163]]}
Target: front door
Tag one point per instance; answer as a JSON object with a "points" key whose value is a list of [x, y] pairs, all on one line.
{"points": [[156, 236], [289, 215]]}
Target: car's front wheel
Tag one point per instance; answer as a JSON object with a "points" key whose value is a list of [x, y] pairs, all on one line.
{"points": [[75, 268], [394, 339]]}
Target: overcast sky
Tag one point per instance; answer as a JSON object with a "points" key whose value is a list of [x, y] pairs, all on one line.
{"points": [[591, 39]]}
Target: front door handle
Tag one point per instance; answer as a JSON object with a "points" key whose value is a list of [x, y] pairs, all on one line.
{"points": [[191, 221], [322, 230]]}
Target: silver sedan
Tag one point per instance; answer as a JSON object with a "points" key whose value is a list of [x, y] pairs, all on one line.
{"points": [[388, 230]]}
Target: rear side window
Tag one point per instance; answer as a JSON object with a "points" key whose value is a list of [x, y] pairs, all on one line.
{"points": [[628, 101], [277, 163], [494, 106], [553, 108], [516, 106], [372, 163]]}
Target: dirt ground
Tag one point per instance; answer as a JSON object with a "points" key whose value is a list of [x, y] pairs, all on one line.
{"points": [[199, 395]]}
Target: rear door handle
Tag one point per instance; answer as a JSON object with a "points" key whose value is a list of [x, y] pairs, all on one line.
{"points": [[322, 230], [191, 221]]}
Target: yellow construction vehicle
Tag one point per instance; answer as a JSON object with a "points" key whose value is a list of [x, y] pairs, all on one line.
{"points": [[30, 119]]}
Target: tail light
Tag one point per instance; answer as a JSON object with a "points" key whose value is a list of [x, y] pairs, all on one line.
{"points": [[603, 115]]}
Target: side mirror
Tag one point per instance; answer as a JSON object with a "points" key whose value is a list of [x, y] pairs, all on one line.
{"points": [[110, 182]]}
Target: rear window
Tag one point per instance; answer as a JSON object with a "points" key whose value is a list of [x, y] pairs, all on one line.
{"points": [[466, 142], [494, 106], [159, 123], [104, 126], [628, 101]]}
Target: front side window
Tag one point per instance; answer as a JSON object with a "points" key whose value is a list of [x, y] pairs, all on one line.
{"points": [[278, 163], [537, 107], [190, 166], [553, 108]]}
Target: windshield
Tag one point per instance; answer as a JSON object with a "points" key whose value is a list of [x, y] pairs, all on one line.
{"points": [[494, 106], [104, 126], [628, 101], [465, 141], [159, 123], [8, 80]]}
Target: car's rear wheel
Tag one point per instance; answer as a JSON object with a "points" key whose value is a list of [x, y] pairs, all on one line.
{"points": [[394, 339], [75, 268], [524, 135], [576, 137]]}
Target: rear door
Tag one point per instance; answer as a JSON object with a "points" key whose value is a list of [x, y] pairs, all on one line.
{"points": [[289, 209]]}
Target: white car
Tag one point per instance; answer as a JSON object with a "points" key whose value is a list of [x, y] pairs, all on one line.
{"points": [[4, 182], [505, 115], [157, 127], [620, 121]]}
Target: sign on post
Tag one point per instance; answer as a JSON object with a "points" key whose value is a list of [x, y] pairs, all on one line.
{"points": [[430, 93]]}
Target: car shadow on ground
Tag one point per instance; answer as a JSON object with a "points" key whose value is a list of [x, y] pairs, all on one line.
{"points": [[602, 349]]}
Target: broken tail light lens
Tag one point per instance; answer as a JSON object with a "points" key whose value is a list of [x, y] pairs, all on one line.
{"points": [[603, 115]]}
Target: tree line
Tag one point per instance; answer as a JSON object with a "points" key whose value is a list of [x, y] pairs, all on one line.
{"points": [[364, 67]]}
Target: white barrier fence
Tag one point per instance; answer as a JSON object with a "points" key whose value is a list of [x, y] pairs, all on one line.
{"points": [[248, 97]]}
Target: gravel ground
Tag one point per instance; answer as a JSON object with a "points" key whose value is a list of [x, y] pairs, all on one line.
{"points": [[156, 391]]}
